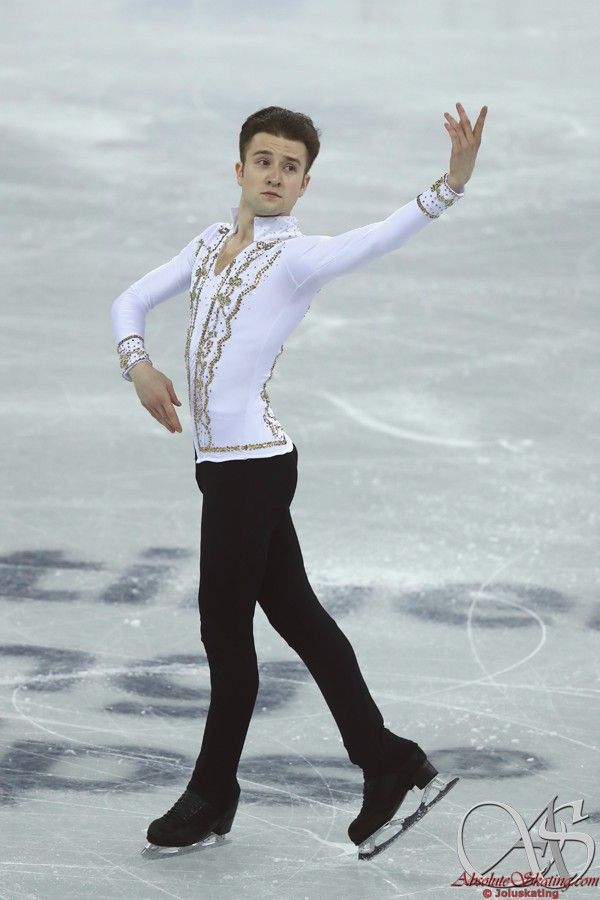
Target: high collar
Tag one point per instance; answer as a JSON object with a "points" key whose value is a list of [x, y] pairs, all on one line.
{"points": [[269, 226]]}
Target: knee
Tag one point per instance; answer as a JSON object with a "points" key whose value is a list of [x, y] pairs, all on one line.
{"points": [[235, 645], [313, 630], [232, 663]]}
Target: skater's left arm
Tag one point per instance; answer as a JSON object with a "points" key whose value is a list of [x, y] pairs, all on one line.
{"points": [[323, 258]]}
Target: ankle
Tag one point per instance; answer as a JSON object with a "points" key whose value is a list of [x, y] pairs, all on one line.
{"points": [[218, 797]]}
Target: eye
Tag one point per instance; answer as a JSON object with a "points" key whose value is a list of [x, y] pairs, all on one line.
{"points": [[289, 165]]}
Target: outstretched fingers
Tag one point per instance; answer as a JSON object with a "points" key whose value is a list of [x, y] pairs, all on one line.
{"points": [[479, 123], [462, 129]]}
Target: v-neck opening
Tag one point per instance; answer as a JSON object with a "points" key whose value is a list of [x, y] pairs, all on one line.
{"points": [[231, 262]]}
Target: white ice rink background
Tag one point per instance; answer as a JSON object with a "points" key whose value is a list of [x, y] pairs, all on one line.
{"points": [[444, 402]]}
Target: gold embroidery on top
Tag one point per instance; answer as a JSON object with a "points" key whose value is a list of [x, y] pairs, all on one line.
{"points": [[268, 416], [222, 303], [130, 349], [227, 447], [436, 199], [199, 278]]}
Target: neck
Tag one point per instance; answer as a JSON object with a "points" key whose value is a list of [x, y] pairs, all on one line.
{"points": [[245, 224], [245, 221]]}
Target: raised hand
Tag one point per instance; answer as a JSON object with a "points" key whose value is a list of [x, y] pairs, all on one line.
{"points": [[465, 144]]}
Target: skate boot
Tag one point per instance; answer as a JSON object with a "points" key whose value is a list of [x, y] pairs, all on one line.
{"points": [[190, 824], [374, 828]]}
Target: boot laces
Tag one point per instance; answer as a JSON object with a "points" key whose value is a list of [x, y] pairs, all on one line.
{"points": [[186, 806]]}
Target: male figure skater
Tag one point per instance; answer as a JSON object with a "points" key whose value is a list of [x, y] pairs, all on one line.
{"points": [[251, 281]]}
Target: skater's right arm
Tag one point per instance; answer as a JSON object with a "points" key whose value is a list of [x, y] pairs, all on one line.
{"points": [[128, 314]]}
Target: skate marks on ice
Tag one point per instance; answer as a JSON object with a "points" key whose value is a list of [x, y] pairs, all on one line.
{"points": [[55, 761], [138, 584], [502, 607], [497, 605], [61, 762], [59, 766], [175, 687], [268, 780], [154, 680]]}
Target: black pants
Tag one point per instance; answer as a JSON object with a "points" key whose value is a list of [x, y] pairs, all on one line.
{"points": [[249, 552]]}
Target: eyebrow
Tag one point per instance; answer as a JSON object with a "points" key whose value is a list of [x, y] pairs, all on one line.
{"points": [[270, 153]]}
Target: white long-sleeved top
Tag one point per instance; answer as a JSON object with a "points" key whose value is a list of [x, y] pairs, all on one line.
{"points": [[240, 318]]}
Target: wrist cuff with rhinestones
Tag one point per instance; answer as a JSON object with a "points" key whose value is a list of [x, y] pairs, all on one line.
{"points": [[436, 199], [131, 350]]}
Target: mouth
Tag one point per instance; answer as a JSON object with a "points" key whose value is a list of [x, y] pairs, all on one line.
{"points": [[270, 194]]}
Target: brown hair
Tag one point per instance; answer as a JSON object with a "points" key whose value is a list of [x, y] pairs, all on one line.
{"points": [[283, 123]]}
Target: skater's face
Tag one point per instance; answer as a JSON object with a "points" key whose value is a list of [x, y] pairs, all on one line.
{"points": [[272, 164]]}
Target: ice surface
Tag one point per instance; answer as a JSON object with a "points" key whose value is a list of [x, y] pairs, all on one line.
{"points": [[444, 402]]}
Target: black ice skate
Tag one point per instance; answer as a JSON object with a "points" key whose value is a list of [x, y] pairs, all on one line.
{"points": [[374, 829], [190, 824]]}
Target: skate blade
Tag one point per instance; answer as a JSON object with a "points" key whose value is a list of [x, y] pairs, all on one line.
{"points": [[155, 851], [437, 788]]}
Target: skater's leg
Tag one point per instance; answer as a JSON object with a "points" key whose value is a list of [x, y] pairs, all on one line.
{"points": [[293, 609], [242, 502]]}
